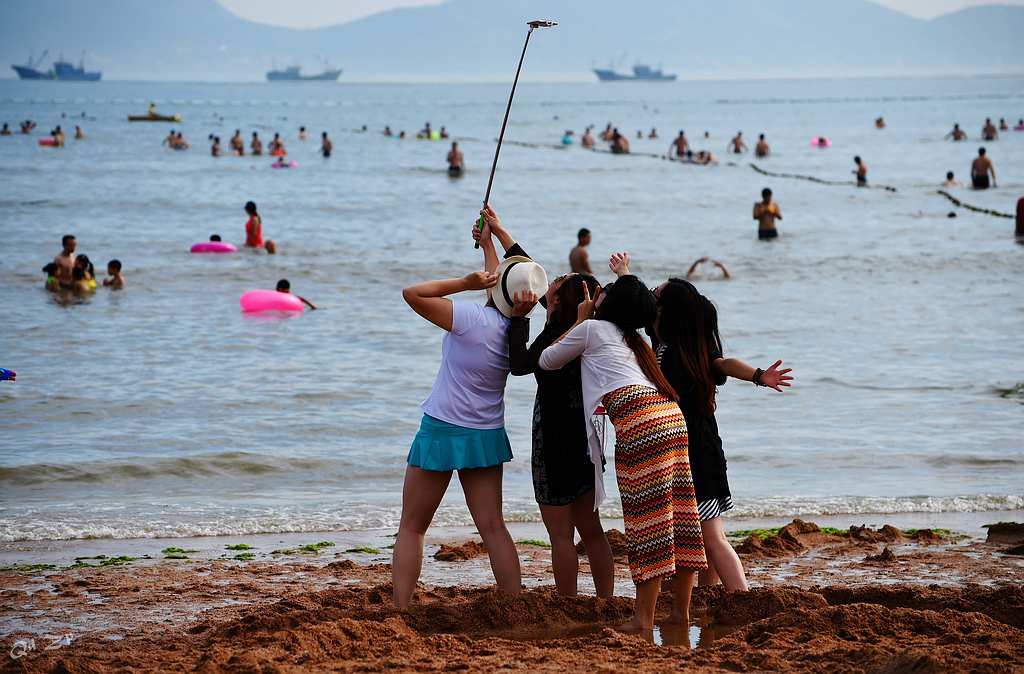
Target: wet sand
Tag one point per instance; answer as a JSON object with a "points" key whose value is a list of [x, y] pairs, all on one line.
{"points": [[868, 600]]}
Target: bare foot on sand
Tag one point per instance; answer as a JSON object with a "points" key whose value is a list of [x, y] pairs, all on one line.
{"points": [[635, 627]]}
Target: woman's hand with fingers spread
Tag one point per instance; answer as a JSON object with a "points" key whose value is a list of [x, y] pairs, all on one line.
{"points": [[619, 263], [523, 303], [480, 280], [775, 378]]}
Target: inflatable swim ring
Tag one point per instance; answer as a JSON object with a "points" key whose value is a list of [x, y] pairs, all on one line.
{"points": [[213, 247], [1019, 127], [269, 300], [566, 140], [286, 164], [821, 142], [49, 142], [278, 153]]}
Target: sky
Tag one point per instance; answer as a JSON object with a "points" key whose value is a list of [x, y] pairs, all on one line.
{"points": [[313, 13]]}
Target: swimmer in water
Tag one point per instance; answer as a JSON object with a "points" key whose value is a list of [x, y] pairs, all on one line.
{"points": [[6, 131], [51, 277], [880, 123], [861, 172], [693, 274], [588, 138], [639, 134], [737, 145], [215, 237], [237, 144], [951, 181], [283, 286], [277, 145], [981, 168], [401, 135], [1003, 126], [215, 147], [256, 145], [653, 135], [89, 270], [766, 212], [326, 146], [253, 226], [761, 149], [956, 134], [270, 247], [387, 131], [180, 143], [169, 141], [444, 133], [620, 144], [79, 284], [679, 146], [115, 279], [302, 133], [79, 134], [989, 132], [455, 159], [579, 258], [65, 260], [608, 132]]}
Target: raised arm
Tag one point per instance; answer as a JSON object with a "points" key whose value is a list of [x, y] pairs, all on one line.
{"points": [[571, 345], [429, 299], [773, 377]]}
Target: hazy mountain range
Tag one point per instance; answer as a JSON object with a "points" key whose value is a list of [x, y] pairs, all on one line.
{"points": [[480, 39]]}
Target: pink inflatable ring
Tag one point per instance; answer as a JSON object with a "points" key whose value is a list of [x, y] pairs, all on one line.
{"points": [[821, 142], [214, 247], [269, 300]]}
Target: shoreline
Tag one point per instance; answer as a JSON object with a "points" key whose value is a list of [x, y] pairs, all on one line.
{"points": [[822, 599]]}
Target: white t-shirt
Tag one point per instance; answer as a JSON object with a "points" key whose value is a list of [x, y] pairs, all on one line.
{"points": [[607, 364], [469, 390]]}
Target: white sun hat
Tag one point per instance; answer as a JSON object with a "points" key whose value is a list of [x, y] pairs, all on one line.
{"points": [[517, 274]]}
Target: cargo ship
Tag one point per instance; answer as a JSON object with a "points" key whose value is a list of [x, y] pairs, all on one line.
{"points": [[62, 70], [294, 74], [641, 73]]}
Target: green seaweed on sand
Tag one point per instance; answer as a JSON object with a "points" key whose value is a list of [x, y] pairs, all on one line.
{"points": [[79, 559], [364, 550], [245, 556], [534, 542], [941, 533], [176, 551], [315, 547], [81, 565], [119, 561], [29, 568], [284, 551], [238, 546], [175, 556]]}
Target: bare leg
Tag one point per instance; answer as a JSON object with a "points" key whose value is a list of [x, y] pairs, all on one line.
{"points": [[722, 558], [564, 560], [599, 553], [421, 495], [483, 496], [708, 577], [682, 589], [643, 608]]}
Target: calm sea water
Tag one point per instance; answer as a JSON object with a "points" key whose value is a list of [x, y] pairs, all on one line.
{"points": [[162, 410]]}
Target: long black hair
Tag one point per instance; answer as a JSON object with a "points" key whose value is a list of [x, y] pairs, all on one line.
{"points": [[569, 295], [687, 324], [631, 307]]}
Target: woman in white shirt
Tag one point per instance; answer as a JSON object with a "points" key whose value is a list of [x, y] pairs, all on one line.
{"points": [[659, 506]]}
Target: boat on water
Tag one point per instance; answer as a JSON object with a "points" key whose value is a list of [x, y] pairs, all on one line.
{"points": [[641, 73], [294, 74], [154, 118], [62, 70]]}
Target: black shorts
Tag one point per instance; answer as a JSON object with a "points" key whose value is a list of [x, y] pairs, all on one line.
{"points": [[980, 182], [862, 181], [767, 234]]}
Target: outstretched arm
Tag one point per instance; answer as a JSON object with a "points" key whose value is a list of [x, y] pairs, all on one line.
{"points": [[429, 299], [773, 377], [306, 302]]}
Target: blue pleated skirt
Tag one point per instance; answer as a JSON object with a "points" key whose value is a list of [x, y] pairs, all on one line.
{"points": [[441, 446]]}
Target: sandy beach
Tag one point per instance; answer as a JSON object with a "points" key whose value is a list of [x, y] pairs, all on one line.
{"points": [[860, 600]]}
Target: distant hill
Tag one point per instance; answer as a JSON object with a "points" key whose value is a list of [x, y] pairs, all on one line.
{"points": [[479, 39]]}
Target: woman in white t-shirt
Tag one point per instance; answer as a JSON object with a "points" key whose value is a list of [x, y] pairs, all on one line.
{"points": [[659, 506], [463, 425]]}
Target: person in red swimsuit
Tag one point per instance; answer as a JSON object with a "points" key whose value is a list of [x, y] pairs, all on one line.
{"points": [[254, 226]]}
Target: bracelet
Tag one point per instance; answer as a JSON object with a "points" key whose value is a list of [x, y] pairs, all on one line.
{"points": [[757, 377]]}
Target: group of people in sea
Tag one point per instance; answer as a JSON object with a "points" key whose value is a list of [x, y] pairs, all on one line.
{"points": [[593, 366], [74, 273]]}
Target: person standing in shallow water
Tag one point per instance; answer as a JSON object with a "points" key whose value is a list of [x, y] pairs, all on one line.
{"points": [[326, 146], [253, 226], [689, 351], [981, 169], [579, 258], [766, 212], [861, 172], [659, 506], [463, 425]]}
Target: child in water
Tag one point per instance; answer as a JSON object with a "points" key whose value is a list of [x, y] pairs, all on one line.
{"points": [[115, 279], [51, 279], [88, 270], [283, 286], [79, 284]]}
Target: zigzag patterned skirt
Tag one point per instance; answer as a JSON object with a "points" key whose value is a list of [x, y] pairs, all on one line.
{"points": [[652, 467]]}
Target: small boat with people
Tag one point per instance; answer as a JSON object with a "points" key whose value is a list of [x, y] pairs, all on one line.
{"points": [[153, 116]]}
